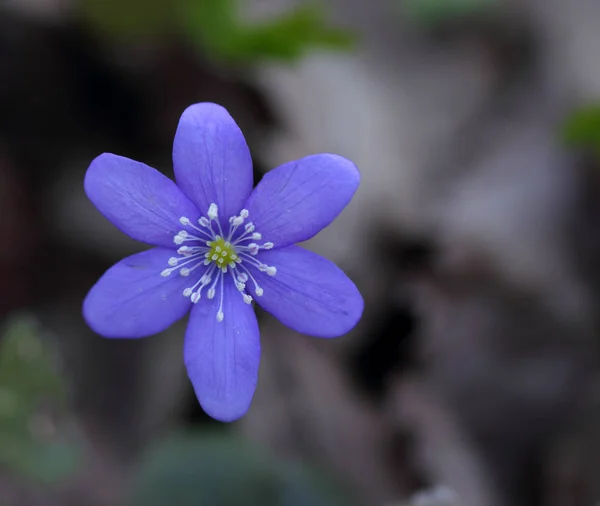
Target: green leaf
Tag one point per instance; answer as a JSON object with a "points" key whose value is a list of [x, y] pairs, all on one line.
{"points": [[219, 470], [26, 367], [288, 37], [214, 26], [32, 399], [582, 127]]}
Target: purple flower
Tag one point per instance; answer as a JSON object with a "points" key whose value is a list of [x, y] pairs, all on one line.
{"points": [[219, 245]]}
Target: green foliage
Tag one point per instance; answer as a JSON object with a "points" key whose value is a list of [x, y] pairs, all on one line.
{"points": [[214, 469], [432, 12], [582, 127], [30, 442], [214, 26]]}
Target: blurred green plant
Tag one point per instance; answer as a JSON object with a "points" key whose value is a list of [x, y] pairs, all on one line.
{"points": [[214, 24], [582, 127], [215, 27], [221, 470], [31, 393], [434, 12]]}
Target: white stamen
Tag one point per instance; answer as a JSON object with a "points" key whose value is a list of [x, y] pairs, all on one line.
{"points": [[187, 292], [220, 310], [271, 271], [173, 261], [243, 277], [185, 271], [253, 248], [244, 213], [213, 211], [253, 261], [247, 275], [256, 236], [268, 245], [237, 221], [203, 222], [165, 273], [211, 293], [247, 298], [204, 280], [178, 239]]}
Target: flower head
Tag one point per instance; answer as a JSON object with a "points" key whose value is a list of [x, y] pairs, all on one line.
{"points": [[219, 245]]}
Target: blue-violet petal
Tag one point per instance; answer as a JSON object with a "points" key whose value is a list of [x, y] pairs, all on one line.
{"points": [[309, 293], [295, 201], [132, 299], [137, 199], [222, 358], [212, 161]]}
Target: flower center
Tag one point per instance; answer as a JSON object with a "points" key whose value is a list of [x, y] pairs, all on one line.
{"points": [[221, 252], [211, 255]]}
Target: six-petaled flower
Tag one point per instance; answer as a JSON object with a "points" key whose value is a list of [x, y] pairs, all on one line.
{"points": [[219, 245]]}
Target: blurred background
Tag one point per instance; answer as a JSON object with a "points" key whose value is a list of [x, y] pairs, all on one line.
{"points": [[472, 379]]}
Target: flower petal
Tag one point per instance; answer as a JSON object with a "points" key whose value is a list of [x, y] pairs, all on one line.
{"points": [[295, 201], [132, 299], [309, 293], [222, 358], [137, 199], [211, 159]]}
